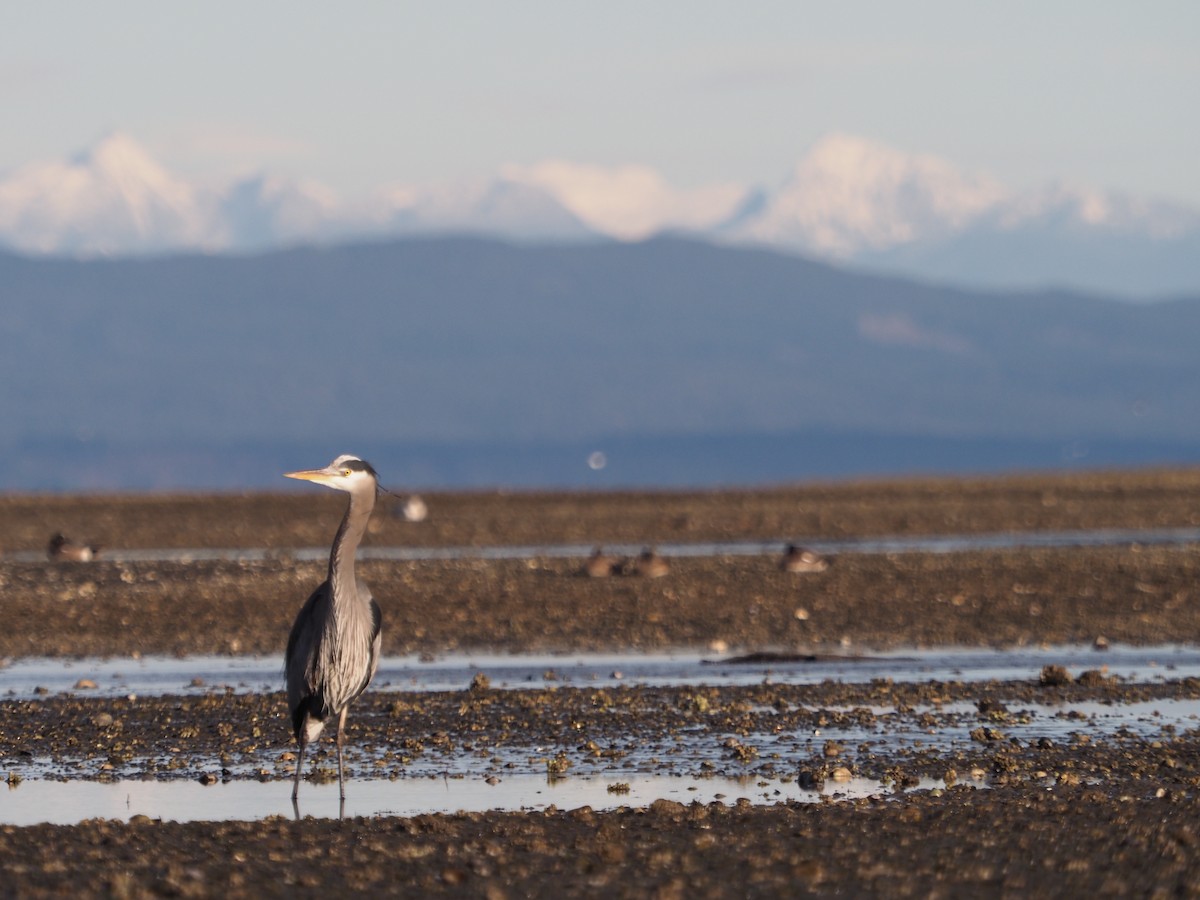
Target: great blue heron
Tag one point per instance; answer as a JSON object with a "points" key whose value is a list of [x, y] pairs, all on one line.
{"points": [[333, 649]]}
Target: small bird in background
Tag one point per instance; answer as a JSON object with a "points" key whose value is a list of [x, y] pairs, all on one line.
{"points": [[414, 509], [650, 565], [63, 549], [800, 559], [600, 565]]}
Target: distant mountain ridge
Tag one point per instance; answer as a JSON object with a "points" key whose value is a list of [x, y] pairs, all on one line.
{"points": [[847, 199], [666, 343]]}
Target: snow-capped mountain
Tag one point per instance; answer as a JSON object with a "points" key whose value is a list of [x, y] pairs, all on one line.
{"points": [[629, 202], [502, 206], [847, 199], [848, 195], [112, 199]]}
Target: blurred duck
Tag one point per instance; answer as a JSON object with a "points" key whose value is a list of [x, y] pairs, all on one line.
{"points": [[600, 565], [62, 548], [650, 565], [801, 559]]}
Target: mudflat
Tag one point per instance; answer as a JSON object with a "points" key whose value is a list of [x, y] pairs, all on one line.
{"points": [[1089, 814]]}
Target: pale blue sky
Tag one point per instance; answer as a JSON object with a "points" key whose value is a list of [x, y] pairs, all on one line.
{"points": [[359, 95]]}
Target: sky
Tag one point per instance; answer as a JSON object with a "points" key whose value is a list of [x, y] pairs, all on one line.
{"points": [[363, 95]]}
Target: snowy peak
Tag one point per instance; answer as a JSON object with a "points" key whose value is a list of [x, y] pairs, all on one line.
{"points": [[109, 200], [120, 157], [502, 205], [848, 194], [847, 198], [629, 202]]}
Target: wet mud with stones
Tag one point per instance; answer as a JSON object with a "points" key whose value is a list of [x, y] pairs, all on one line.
{"points": [[1079, 813]]}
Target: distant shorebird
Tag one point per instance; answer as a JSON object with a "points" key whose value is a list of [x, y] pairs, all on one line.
{"points": [[800, 559], [333, 650], [600, 565], [650, 565], [414, 509], [62, 548]]}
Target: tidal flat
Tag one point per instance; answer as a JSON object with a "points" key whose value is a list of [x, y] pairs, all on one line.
{"points": [[974, 798]]}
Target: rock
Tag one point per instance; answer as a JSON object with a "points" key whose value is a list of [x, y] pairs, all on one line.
{"points": [[479, 683], [1055, 676], [811, 779]]}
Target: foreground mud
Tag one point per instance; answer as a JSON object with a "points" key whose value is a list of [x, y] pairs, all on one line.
{"points": [[1080, 814], [1021, 842]]}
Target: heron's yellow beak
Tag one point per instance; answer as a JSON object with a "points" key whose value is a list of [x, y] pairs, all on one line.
{"points": [[318, 475]]}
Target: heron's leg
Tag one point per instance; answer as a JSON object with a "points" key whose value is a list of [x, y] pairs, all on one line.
{"points": [[299, 763], [341, 776]]}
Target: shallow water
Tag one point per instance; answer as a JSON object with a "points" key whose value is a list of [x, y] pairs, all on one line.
{"points": [[951, 543], [513, 776], [67, 802], [154, 675]]}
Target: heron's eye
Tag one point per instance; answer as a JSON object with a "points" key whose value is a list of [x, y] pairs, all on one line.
{"points": [[346, 472]]}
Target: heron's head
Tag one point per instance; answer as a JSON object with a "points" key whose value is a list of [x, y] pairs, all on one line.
{"points": [[346, 473]]}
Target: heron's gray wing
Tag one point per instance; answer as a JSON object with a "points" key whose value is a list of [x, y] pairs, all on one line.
{"points": [[376, 637], [304, 630], [302, 646], [376, 621]]}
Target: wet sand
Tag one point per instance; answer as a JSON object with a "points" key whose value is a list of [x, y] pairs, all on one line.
{"points": [[1072, 816]]}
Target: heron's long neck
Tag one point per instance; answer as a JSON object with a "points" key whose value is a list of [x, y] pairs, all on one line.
{"points": [[342, 581]]}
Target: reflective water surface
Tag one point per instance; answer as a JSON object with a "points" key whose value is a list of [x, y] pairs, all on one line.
{"points": [[151, 675], [66, 802], [513, 775]]}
